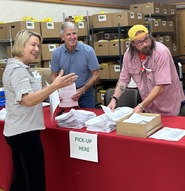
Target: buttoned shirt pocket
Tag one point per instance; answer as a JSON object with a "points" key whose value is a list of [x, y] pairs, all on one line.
{"points": [[135, 74]]}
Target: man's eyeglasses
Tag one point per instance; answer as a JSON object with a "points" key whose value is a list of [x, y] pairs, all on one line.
{"points": [[140, 43]]}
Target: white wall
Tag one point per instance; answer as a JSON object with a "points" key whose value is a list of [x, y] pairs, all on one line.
{"points": [[15, 10]]}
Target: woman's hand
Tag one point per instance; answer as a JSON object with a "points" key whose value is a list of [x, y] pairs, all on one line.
{"points": [[63, 81]]}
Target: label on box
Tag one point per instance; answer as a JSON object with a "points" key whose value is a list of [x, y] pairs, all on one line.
{"points": [[156, 23], [170, 23], [157, 9], [161, 39], [117, 68], [139, 16], [102, 18], [30, 25], [51, 47], [165, 11], [102, 96], [127, 44], [81, 25], [163, 23], [174, 48], [167, 38], [50, 64], [131, 15], [172, 11], [50, 25]]}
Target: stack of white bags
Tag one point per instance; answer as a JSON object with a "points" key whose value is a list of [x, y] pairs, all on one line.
{"points": [[74, 118], [107, 121], [102, 123]]}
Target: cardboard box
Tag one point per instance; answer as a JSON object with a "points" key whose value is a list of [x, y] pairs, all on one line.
{"points": [[125, 18], [69, 19], [82, 28], [167, 40], [164, 26], [45, 73], [102, 20], [114, 70], [98, 36], [101, 48], [46, 64], [104, 71], [35, 65], [174, 50], [136, 8], [159, 39], [171, 26], [90, 20], [155, 26], [117, 48], [47, 50], [151, 8], [116, 36], [3, 32], [14, 27], [140, 18], [100, 97], [108, 36], [139, 130], [172, 9], [50, 29], [164, 8]]}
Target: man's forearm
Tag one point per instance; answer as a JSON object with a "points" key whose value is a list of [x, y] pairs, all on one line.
{"points": [[92, 81], [156, 91], [119, 90]]}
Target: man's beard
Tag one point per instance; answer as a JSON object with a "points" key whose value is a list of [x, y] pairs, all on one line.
{"points": [[147, 50]]}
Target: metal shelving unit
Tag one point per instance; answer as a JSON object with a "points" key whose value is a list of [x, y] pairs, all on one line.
{"points": [[118, 30]]}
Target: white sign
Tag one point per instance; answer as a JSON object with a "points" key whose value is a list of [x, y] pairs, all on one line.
{"points": [[83, 146]]}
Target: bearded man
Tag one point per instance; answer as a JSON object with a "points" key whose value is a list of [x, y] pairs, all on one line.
{"points": [[151, 66]]}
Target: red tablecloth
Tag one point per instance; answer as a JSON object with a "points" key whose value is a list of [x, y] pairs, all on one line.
{"points": [[125, 163]]}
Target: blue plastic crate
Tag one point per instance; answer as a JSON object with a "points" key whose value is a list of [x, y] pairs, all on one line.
{"points": [[2, 98], [2, 93], [2, 103]]}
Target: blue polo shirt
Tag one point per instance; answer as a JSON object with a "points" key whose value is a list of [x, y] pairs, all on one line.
{"points": [[81, 61]]}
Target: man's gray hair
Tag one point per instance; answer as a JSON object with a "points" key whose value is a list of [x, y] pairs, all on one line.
{"points": [[69, 25]]}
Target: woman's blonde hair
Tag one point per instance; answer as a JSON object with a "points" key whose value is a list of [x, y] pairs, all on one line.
{"points": [[21, 39]]}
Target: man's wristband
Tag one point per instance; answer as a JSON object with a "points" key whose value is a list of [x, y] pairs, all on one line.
{"points": [[114, 97], [141, 106]]}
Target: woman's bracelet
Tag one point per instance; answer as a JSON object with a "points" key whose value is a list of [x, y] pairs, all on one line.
{"points": [[141, 106]]}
